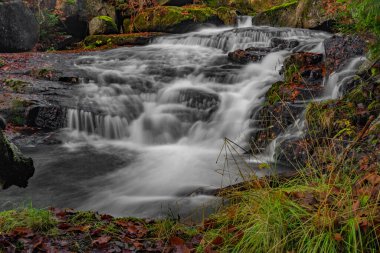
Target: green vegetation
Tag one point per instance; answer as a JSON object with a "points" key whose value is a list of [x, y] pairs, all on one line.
{"points": [[48, 22], [365, 15], [2, 62], [17, 111], [39, 220], [282, 6], [71, 2]]}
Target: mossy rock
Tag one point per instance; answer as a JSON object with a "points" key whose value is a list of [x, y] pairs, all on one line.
{"points": [[102, 25], [178, 19], [17, 86], [137, 39]]}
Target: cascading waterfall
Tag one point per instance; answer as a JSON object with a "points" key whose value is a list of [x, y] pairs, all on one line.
{"points": [[191, 96], [149, 125]]}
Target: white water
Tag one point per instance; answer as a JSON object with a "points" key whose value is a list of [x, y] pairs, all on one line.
{"points": [[173, 103]]}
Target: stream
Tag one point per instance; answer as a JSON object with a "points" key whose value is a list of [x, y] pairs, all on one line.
{"points": [[147, 130]]}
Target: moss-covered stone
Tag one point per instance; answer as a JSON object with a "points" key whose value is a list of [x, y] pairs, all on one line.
{"points": [[102, 25], [16, 85], [15, 169], [178, 19], [93, 41]]}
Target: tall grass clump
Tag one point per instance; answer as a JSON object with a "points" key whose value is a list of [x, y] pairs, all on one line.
{"points": [[365, 16], [40, 220]]}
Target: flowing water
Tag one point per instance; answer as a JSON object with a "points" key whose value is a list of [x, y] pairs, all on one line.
{"points": [[148, 128]]}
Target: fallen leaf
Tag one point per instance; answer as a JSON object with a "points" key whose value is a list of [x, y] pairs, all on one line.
{"points": [[101, 241], [338, 237], [176, 241], [218, 240], [79, 228]]}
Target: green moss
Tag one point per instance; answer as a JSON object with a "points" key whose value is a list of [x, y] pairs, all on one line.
{"points": [[274, 95], [227, 15], [16, 85], [109, 22], [17, 111], [282, 6], [37, 219], [164, 18], [94, 41]]}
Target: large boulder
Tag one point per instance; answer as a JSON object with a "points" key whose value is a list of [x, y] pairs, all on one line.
{"points": [[48, 117], [19, 28], [174, 19], [15, 169], [312, 14], [102, 25]]}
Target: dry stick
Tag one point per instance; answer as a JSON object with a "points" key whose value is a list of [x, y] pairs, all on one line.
{"points": [[361, 134]]}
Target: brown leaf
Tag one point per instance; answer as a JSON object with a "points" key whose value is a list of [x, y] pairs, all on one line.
{"points": [[176, 241], [218, 240], [22, 231], [338, 237], [79, 228], [63, 225], [101, 241], [356, 205]]}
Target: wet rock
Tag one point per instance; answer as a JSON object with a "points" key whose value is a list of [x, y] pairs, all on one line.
{"points": [[19, 28], [102, 25], [48, 117], [245, 56], [293, 151], [339, 49], [254, 54], [3, 123], [281, 44], [15, 169], [271, 120], [286, 100]]}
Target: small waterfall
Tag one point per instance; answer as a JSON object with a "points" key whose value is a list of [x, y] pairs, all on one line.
{"points": [[334, 88], [241, 38], [111, 127], [244, 21]]}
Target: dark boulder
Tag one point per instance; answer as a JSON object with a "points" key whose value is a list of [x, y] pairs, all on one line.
{"points": [[15, 169], [19, 28], [339, 49], [49, 117]]}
